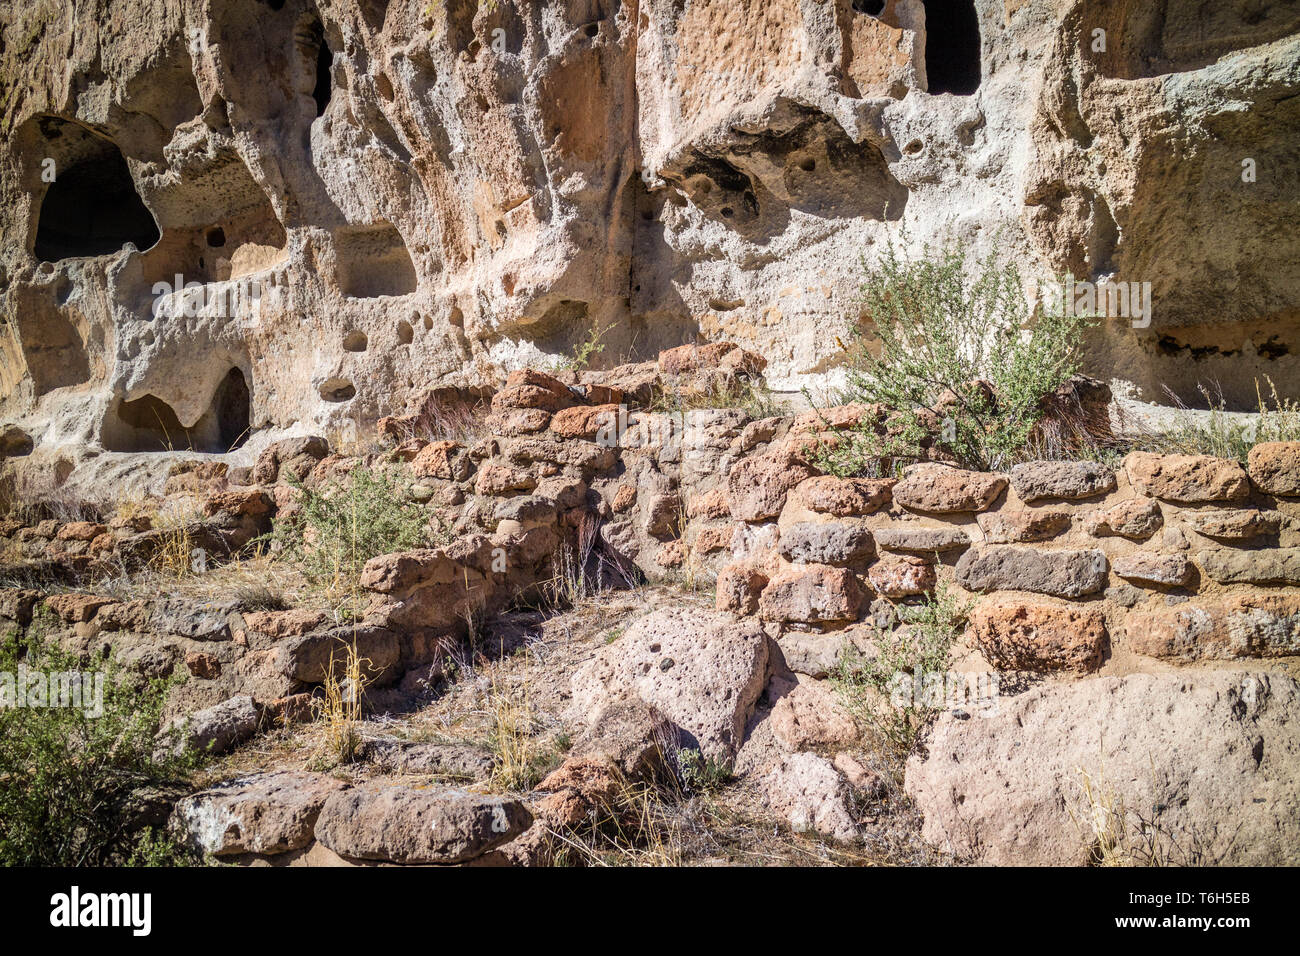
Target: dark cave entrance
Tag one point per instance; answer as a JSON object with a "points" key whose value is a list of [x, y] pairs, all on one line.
{"points": [[321, 92], [952, 47], [148, 424], [91, 208], [230, 407]]}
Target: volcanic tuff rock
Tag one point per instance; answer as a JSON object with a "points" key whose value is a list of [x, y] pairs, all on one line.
{"points": [[1006, 568], [702, 670], [406, 825], [418, 192], [807, 791], [1212, 756], [265, 813]]}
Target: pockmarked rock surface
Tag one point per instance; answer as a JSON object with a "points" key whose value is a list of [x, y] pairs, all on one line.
{"points": [[1209, 760], [809, 793], [703, 670], [811, 594], [268, 232], [941, 489], [1274, 467], [1037, 480], [1039, 637], [1187, 479], [1218, 628], [324, 165], [827, 542], [1266, 566]]}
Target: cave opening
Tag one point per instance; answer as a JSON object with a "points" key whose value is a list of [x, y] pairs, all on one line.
{"points": [[321, 92], [373, 261], [230, 408], [952, 47], [92, 207], [149, 424]]}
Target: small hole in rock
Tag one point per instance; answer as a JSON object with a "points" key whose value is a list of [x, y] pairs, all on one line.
{"points": [[914, 148], [337, 390], [216, 237], [405, 334], [355, 342]]}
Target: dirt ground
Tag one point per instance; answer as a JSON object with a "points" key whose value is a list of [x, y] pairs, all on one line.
{"points": [[507, 698]]}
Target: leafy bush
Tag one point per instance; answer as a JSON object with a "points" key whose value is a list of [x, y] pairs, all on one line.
{"points": [[962, 361], [918, 647], [586, 350], [67, 778], [346, 523]]}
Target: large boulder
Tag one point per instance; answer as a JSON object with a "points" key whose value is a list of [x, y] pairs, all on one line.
{"points": [[262, 813], [702, 670], [405, 825], [1207, 763]]}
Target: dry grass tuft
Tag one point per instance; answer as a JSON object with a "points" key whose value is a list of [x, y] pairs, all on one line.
{"points": [[339, 711], [525, 752], [1117, 835]]}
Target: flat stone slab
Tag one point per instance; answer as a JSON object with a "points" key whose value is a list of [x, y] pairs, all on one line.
{"points": [[405, 825], [1070, 574], [263, 813]]}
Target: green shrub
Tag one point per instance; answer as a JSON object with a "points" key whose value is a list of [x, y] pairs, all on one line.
{"points": [[919, 646], [962, 362], [344, 524], [701, 774], [586, 350], [67, 777]]}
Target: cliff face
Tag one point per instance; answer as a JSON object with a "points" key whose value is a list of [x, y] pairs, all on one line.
{"points": [[371, 198]]}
